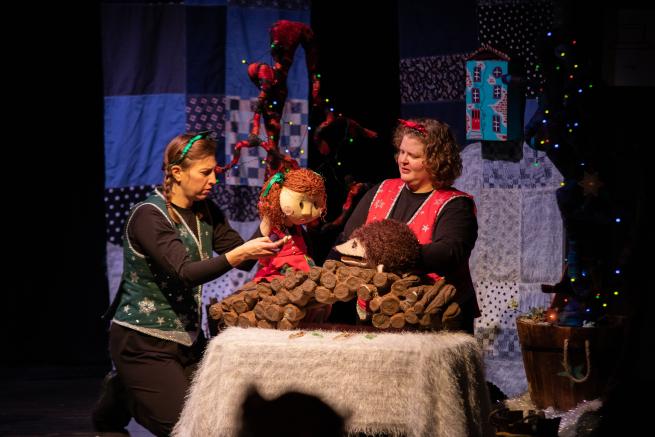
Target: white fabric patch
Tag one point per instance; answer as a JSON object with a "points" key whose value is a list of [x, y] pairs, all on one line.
{"points": [[531, 296], [508, 375], [499, 304], [496, 254], [541, 237], [471, 179]]}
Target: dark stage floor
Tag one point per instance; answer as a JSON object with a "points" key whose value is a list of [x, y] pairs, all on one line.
{"points": [[51, 402], [57, 401]]}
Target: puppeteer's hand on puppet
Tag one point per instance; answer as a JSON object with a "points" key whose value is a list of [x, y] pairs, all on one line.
{"points": [[286, 203]]}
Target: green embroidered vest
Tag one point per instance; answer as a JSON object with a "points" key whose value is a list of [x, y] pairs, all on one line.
{"points": [[154, 302]]}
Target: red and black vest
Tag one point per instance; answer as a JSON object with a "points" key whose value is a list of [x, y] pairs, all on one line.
{"points": [[423, 220]]}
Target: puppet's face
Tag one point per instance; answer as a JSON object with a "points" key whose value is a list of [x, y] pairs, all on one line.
{"points": [[353, 253], [300, 208]]}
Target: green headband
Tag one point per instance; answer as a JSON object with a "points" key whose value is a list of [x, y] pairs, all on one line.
{"points": [[277, 178], [186, 149]]}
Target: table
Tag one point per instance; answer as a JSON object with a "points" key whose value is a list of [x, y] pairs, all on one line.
{"points": [[411, 384]]}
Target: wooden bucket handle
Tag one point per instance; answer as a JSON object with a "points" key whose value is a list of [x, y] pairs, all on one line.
{"points": [[567, 369]]}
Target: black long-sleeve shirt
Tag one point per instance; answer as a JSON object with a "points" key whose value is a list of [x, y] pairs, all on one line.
{"points": [[151, 234]]}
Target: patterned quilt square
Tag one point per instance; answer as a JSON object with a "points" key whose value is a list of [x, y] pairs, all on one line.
{"points": [[495, 329], [206, 112], [293, 139], [238, 202], [497, 252], [118, 203], [432, 78], [533, 170], [515, 28]]}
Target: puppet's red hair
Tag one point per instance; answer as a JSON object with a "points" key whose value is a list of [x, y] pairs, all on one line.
{"points": [[301, 181]]}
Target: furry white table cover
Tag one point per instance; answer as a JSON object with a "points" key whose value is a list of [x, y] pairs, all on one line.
{"points": [[413, 384]]}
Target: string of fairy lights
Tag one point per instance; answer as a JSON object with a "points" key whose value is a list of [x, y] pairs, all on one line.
{"points": [[559, 124]]}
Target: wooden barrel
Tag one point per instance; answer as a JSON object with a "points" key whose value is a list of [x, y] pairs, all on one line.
{"points": [[592, 356]]}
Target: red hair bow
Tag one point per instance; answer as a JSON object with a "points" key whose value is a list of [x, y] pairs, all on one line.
{"points": [[412, 125]]}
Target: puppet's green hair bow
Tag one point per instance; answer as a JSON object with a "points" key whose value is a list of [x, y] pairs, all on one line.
{"points": [[277, 178]]}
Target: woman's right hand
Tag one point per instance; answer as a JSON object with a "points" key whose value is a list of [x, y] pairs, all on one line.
{"points": [[263, 246], [254, 249]]}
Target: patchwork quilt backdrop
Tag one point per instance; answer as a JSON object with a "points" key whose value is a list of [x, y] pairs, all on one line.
{"points": [[175, 67]]}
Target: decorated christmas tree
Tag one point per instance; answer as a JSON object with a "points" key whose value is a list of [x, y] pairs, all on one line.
{"points": [[566, 126]]}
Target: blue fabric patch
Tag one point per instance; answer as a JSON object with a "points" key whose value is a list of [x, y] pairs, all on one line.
{"points": [[143, 52], [451, 113], [427, 28], [205, 47], [248, 39], [137, 129], [238, 202], [208, 113], [118, 203]]}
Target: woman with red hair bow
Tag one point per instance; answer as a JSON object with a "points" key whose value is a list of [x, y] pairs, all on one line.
{"points": [[442, 218]]}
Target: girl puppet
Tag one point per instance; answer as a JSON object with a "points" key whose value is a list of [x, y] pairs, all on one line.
{"points": [[288, 201]]}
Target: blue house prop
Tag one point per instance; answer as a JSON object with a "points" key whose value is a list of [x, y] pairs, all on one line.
{"points": [[492, 101]]}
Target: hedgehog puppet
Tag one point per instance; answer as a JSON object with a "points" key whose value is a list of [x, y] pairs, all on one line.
{"points": [[397, 295], [386, 245]]}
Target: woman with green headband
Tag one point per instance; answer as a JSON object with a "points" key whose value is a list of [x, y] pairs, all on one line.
{"points": [[155, 335]]}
